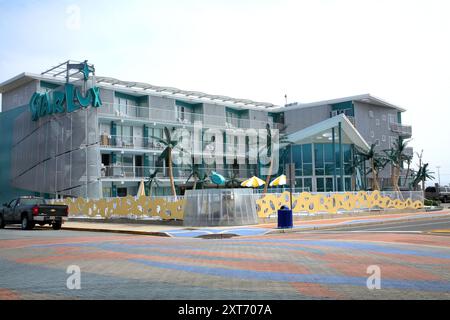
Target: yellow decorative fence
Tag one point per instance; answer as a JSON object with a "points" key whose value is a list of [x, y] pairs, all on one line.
{"points": [[136, 207], [333, 202], [267, 205]]}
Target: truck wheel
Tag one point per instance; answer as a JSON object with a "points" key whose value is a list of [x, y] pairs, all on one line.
{"points": [[2, 222], [26, 223], [56, 226]]}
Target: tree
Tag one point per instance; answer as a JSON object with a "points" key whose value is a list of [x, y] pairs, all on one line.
{"points": [[422, 175], [377, 163], [152, 179], [396, 156], [194, 174], [166, 155], [408, 160]]}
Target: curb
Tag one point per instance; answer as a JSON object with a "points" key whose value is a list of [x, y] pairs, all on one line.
{"points": [[229, 235], [298, 230], [144, 233]]}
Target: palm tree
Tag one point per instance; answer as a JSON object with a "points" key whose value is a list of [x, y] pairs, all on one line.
{"points": [[152, 179], [422, 175], [377, 163], [234, 181], [408, 159], [166, 155], [194, 174], [396, 156]]}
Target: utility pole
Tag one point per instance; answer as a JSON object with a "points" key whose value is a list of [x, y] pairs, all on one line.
{"points": [[439, 174]]}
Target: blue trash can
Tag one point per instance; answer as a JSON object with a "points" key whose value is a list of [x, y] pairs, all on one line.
{"points": [[284, 218]]}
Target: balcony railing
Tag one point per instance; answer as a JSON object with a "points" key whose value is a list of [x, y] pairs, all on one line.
{"points": [[171, 116], [119, 171], [130, 142], [402, 130]]}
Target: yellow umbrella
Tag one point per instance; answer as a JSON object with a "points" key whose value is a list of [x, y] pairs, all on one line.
{"points": [[141, 190], [280, 181], [253, 182]]}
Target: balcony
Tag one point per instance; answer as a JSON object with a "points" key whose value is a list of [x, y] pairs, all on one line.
{"points": [[403, 130], [172, 117], [123, 172]]}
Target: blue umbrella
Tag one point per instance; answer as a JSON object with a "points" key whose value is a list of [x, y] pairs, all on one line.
{"points": [[217, 178]]}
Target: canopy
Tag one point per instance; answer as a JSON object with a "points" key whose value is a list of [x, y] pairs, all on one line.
{"points": [[253, 182], [280, 181]]}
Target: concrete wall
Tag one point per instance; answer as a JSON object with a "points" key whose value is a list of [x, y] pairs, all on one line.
{"points": [[299, 119], [19, 96], [376, 127], [258, 119], [214, 115]]}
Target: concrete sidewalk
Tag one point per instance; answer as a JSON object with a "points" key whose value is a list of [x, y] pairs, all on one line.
{"points": [[253, 230]]}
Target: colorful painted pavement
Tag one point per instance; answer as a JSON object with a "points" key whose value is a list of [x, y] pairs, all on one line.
{"points": [[262, 229], [286, 266]]}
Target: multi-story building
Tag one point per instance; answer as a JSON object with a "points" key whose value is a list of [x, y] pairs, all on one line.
{"points": [[377, 121], [68, 132]]}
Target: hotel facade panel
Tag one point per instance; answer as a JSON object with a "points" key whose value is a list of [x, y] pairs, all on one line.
{"points": [[80, 146]]}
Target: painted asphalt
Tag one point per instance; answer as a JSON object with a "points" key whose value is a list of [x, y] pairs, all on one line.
{"points": [[33, 265], [298, 225]]}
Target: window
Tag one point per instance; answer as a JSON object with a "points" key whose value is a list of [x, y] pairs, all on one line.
{"points": [[370, 114], [383, 138], [383, 117], [392, 118], [377, 142], [377, 122], [372, 134]]}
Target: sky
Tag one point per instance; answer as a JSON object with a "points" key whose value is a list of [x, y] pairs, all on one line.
{"points": [[310, 50]]}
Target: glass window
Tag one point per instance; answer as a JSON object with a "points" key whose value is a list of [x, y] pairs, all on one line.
{"points": [[328, 184], [320, 185], [318, 155], [307, 153], [348, 184], [307, 169], [307, 186], [297, 156], [329, 169], [347, 152], [320, 171], [328, 152]]}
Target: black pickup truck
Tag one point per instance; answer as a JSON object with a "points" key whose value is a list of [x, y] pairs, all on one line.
{"points": [[29, 211]]}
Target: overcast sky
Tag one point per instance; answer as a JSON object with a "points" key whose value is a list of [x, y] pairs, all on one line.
{"points": [[256, 49]]}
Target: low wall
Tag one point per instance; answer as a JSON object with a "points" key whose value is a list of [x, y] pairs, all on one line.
{"points": [[172, 208]]}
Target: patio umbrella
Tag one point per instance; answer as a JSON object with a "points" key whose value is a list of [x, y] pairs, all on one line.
{"points": [[253, 182], [141, 190], [280, 181]]}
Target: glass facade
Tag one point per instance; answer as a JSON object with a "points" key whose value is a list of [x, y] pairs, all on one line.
{"points": [[318, 169]]}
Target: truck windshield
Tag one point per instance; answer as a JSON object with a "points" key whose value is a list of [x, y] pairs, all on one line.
{"points": [[32, 201]]}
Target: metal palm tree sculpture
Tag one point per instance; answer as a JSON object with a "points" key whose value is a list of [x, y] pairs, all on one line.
{"points": [[396, 156], [422, 175], [166, 155], [195, 174], [152, 180], [377, 163]]}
